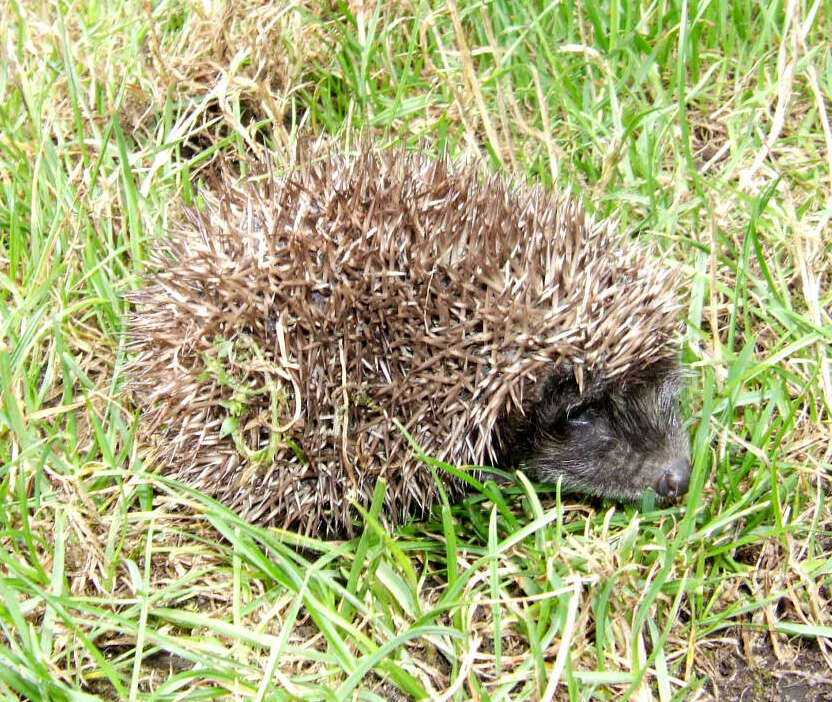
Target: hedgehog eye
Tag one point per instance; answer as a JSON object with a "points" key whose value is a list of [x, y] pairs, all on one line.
{"points": [[576, 419], [581, 416]]}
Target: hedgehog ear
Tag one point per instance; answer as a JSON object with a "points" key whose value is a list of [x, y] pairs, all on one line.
{"points": [[564, 373], [560, 392]]}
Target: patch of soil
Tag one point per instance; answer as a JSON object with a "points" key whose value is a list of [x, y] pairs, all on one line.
{"points": [[762, 677]]}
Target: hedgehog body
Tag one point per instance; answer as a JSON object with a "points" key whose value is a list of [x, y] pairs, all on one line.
{"points": [[291, 323]]}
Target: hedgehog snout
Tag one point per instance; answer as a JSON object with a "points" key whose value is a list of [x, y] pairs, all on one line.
{"points": [[675, 480]]}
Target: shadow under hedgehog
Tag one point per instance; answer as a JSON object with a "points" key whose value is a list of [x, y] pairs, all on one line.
{"points": [[289, 322]]}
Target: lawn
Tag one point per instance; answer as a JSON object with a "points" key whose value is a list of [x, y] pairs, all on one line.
{"points": [[702, 127]]}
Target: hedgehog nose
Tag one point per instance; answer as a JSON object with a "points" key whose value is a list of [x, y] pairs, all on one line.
{"points": [[675, 480]]}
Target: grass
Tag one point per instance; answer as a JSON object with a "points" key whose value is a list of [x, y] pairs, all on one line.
{"points": [[703, 127]]}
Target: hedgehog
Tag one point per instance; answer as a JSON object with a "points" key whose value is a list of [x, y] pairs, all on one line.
{"points": [[296, 333]]}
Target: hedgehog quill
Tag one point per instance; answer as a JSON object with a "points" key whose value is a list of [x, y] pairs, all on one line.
{"points": [[288, 323]]}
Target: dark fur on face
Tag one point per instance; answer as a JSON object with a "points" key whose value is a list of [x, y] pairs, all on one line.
{"points": [[615, 442]]}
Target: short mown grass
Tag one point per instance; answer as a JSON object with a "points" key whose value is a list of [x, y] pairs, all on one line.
{"points": [[701, 126]]}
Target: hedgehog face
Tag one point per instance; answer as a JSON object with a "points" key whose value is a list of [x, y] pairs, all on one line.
{"points": [[611, 443]]}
